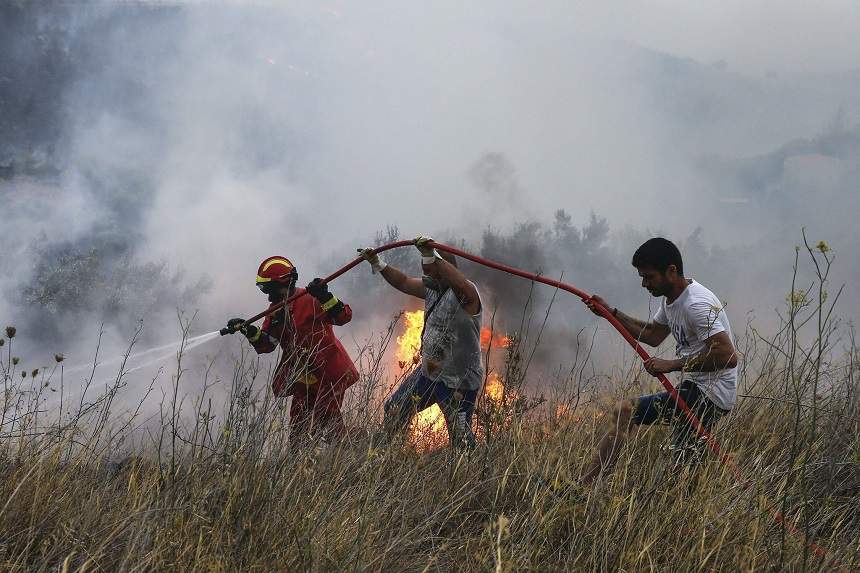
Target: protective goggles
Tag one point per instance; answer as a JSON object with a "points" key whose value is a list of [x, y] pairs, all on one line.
{"points": [[270, 287]]}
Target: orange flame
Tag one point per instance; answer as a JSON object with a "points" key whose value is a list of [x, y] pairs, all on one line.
{"points": [[494, 340], [409, 343], [429, 423], [494, 387]]}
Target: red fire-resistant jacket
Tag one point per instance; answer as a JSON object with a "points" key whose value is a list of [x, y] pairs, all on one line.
{"points": [[312, 355]]}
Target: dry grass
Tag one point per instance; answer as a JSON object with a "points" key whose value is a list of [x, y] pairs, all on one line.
{"points": [[242, 500], [336, 508], [233, 495]]}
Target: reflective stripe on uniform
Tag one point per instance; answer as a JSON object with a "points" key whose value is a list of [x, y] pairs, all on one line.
{"points": [[330, 303]]}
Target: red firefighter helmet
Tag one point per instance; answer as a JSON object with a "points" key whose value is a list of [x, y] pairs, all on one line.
{"points": [[276, 269]]}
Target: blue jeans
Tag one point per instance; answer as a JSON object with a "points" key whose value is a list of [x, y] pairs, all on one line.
{"points": [[660, 408], [417, 393]]}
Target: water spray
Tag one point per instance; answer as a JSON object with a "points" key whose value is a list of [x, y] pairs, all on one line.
{"points": [[173, 347], [166, 351]]}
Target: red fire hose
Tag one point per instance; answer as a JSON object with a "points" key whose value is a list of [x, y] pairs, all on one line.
{"points": [[605, 313]]}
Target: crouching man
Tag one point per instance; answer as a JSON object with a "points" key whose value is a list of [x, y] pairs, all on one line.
{"points": [[704, 348]]}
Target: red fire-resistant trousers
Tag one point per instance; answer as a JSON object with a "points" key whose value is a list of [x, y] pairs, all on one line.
{"points": [[317, 407]]}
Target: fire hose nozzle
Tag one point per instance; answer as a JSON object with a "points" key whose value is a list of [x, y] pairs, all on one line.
{"points": [[233, 325]]}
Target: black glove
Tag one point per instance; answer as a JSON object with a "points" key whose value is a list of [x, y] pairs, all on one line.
{"points": [[319, 290], [249, 330]]}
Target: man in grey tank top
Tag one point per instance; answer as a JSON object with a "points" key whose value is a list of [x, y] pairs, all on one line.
{"points": [[451, 372]]}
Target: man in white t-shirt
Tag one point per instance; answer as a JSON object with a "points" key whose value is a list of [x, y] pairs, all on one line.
{"points": [[704, 347]]}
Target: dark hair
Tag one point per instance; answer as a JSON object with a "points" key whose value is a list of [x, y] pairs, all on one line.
{"points": [[658, 253]]}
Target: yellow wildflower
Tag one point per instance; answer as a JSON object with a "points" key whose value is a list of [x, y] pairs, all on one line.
{"points": [[796, 298]]}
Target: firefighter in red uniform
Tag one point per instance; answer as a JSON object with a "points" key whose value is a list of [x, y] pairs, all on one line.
{"points": [[314, 368]]}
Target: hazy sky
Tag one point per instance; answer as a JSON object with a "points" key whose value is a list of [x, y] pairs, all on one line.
{"points": [[374, 115], [788, 36]]}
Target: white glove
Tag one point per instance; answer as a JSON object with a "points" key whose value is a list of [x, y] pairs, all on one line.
{"points": [[376, 262], [428, 253]]}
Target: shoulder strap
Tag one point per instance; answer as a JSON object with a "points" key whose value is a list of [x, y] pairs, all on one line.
{"points": [[430, 311]]}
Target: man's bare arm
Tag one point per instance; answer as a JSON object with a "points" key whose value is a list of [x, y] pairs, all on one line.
{"points": [[465, 291], [402, 282], [651, 333], [719, 355]]}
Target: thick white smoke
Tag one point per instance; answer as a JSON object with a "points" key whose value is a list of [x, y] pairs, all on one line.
{"points": [[209, 136]]}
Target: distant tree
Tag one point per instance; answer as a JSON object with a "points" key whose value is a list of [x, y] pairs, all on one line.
{"points": [[71, 281]]}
